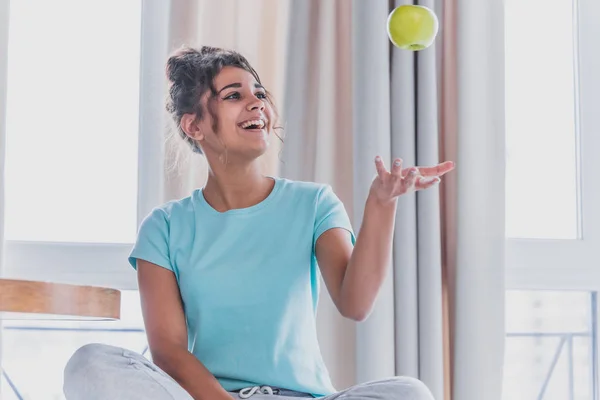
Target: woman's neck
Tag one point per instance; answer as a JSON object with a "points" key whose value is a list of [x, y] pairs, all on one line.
{"points": [[234, 186]]}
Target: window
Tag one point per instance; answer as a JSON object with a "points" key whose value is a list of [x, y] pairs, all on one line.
{"points": [[552, 218], [550, 345], [84, 136], [84, 166], [72, 121], [541, 120]]}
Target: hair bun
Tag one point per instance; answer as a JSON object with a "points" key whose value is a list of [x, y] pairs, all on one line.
{"points": [[180, 65], [209, 50]]}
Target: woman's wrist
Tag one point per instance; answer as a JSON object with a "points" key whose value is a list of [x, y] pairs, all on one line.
{"points": [[373, 201]]}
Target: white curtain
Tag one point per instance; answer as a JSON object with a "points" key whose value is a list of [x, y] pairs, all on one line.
{"points": [[4, 13], [478, 229]]}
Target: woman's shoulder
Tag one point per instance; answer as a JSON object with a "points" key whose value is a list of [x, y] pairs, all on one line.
{"points": [[312, 192], [303, 187], [175, 206]]}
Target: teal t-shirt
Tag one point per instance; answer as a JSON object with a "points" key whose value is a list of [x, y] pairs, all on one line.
{"points": [[249, 282]]}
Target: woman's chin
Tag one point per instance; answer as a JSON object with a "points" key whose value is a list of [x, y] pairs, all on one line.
{"points": [[261, 134], [259, 149], [255, 139]]}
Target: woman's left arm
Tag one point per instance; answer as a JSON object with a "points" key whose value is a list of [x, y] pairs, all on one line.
{"points": [[353, 276]]}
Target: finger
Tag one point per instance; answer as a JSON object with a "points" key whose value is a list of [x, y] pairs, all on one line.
{"points": [[405, 172], [438, 170], [397, 168], [427, 182], [381, 171], [410, 179]]}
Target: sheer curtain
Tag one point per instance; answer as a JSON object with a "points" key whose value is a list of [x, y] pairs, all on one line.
{"points": [[474, 216]]}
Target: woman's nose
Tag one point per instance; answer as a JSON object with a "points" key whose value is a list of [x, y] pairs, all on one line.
{"points": [[256, 104]]}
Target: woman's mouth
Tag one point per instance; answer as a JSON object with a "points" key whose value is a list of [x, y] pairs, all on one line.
{"points": [[253, 125]]}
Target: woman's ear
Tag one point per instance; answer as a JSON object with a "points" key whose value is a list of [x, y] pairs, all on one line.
{"points": [[191, 126]]}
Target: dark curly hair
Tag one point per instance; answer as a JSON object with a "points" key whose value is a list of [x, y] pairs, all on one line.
{"points": [[191, 73]]}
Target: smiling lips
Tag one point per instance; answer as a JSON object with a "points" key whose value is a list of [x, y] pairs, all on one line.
{"points": [[253, 124]]}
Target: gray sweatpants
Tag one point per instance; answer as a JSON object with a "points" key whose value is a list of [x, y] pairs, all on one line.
{"points": [[100, 372]]}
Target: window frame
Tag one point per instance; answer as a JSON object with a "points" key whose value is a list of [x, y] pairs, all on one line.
{"points": [[538, 264], [105, 264], [571, 264]]}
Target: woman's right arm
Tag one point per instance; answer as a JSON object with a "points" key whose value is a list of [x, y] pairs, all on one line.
{"points": [[166, 330]]}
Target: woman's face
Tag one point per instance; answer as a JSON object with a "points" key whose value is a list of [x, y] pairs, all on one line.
{"points": [[244, 116]]}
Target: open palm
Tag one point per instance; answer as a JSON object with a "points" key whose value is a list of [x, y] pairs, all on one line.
{"points": [[388, 185]]}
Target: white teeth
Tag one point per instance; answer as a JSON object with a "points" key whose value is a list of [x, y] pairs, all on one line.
{"points": [[258, 122]]}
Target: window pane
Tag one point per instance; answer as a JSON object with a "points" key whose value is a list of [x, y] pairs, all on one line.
{"points": [[34, 353], [541, 173], [549, 346], [72, 120]]}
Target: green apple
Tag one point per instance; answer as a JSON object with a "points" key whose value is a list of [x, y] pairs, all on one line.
{"points": [[412, 27]]}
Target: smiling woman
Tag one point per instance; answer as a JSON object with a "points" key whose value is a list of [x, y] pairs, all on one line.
{"points": [[229, 276], [223, 78]]}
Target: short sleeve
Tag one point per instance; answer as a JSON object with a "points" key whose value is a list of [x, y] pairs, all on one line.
{"points": [[331, 213], [152, 243]]}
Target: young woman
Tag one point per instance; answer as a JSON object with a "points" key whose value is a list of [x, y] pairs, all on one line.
{"points": [[229, 276]]}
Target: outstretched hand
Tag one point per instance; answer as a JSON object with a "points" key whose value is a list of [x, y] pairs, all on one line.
{"points": [[388, 185]]}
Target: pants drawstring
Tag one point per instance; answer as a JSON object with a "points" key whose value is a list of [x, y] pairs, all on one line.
{"points": [[250, 391]]}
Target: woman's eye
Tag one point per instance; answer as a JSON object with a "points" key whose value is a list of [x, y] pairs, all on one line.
{"points": [[234, 95]]}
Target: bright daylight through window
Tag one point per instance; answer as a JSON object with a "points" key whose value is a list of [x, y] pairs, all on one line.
{"points": [[551, 331], [71, 165], [72, 121]]}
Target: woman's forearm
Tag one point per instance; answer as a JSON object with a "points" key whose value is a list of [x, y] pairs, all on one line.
{"points": [[372, 252], [370, 258], [191, 374]]}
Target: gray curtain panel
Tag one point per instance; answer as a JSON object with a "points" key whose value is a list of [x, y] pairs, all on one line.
{"points": [[396, 114]]}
